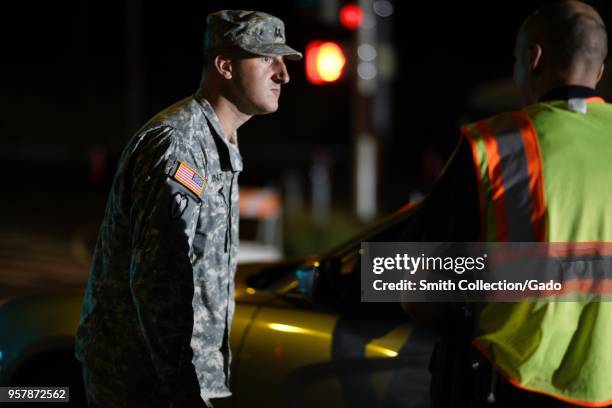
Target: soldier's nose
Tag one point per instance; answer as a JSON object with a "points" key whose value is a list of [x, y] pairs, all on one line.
{"points": [[281, 75]]}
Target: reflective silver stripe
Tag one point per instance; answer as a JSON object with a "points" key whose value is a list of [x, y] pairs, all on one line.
{"points": [[577, 105], [515, 176]]}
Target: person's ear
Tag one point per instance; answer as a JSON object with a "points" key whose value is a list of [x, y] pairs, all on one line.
{"points": [[534, 55], [223, 66], [601, 71]]}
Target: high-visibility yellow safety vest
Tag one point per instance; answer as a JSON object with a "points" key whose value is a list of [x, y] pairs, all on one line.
{"points": [[545, 174]]}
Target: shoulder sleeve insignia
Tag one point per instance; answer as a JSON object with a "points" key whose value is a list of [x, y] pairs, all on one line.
{"points": [[189, 178]]}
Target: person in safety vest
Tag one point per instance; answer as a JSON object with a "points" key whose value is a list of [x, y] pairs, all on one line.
{"points": [[542, 175]]}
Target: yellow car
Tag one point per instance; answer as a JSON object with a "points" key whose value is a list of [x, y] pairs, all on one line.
{"points": [[297, 339]]}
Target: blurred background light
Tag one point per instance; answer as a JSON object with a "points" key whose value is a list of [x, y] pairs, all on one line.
{"points": [[366, 52], [366, 70], [383, 8], [325, 62], [351, 16]]}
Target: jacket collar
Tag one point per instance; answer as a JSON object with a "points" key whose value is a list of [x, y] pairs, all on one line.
{"points": [[566, 92], [229, 155]]}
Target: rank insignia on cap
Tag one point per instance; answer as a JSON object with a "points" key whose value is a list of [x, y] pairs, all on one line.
{"points": [[189, 178]]}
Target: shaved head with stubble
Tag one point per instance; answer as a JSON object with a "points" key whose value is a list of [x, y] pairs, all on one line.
{"points": [[562, 43]]}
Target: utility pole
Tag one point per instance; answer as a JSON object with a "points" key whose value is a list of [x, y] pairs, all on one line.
{"points": [[372, 106]]}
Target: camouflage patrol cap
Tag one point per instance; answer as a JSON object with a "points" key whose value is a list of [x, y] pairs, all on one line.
{"points": [[251, 31]]}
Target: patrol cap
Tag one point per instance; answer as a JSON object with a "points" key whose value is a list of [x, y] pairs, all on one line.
{"points": [[251, 31]]}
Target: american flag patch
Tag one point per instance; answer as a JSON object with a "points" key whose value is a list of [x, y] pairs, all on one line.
{"points": [[190, 178]]}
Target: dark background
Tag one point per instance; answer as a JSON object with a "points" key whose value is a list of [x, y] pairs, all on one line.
{"points": [[79, 78], [87, 74]]}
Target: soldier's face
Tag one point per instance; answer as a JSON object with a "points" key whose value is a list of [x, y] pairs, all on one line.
{"points": [[258, 83]]}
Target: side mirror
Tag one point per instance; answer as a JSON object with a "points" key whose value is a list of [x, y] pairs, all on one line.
{"points": [[324, 282], [308, 279]]}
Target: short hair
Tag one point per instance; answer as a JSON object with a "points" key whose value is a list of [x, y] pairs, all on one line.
{"points": [[208, 58], [571, 32]]}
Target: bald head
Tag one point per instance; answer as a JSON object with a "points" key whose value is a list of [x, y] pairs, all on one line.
{"points": [[563, 43]]}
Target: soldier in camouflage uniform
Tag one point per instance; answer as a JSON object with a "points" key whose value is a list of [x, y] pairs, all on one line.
{"points": [[159, 302]]}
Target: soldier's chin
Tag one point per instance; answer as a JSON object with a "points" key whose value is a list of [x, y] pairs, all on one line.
{"points": [[268, 108]]}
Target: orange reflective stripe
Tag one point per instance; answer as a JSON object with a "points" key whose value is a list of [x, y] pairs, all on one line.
{"points": [[534, 167], [585, 286], [595, 99], [582, 248], [518, 384], [513, 166], [475, 154], [495, 178], [593, 249], [596, 404]]}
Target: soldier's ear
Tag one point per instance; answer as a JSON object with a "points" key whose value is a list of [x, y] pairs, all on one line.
{"points": [[534, 55], [223, 65], [601, 71]]}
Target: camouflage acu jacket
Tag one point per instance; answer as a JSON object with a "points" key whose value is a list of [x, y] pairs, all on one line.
{"points": [[160, 295]]}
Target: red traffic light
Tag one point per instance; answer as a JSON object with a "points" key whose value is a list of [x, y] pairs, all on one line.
{"points": [[324, 62], [351, 16]]}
